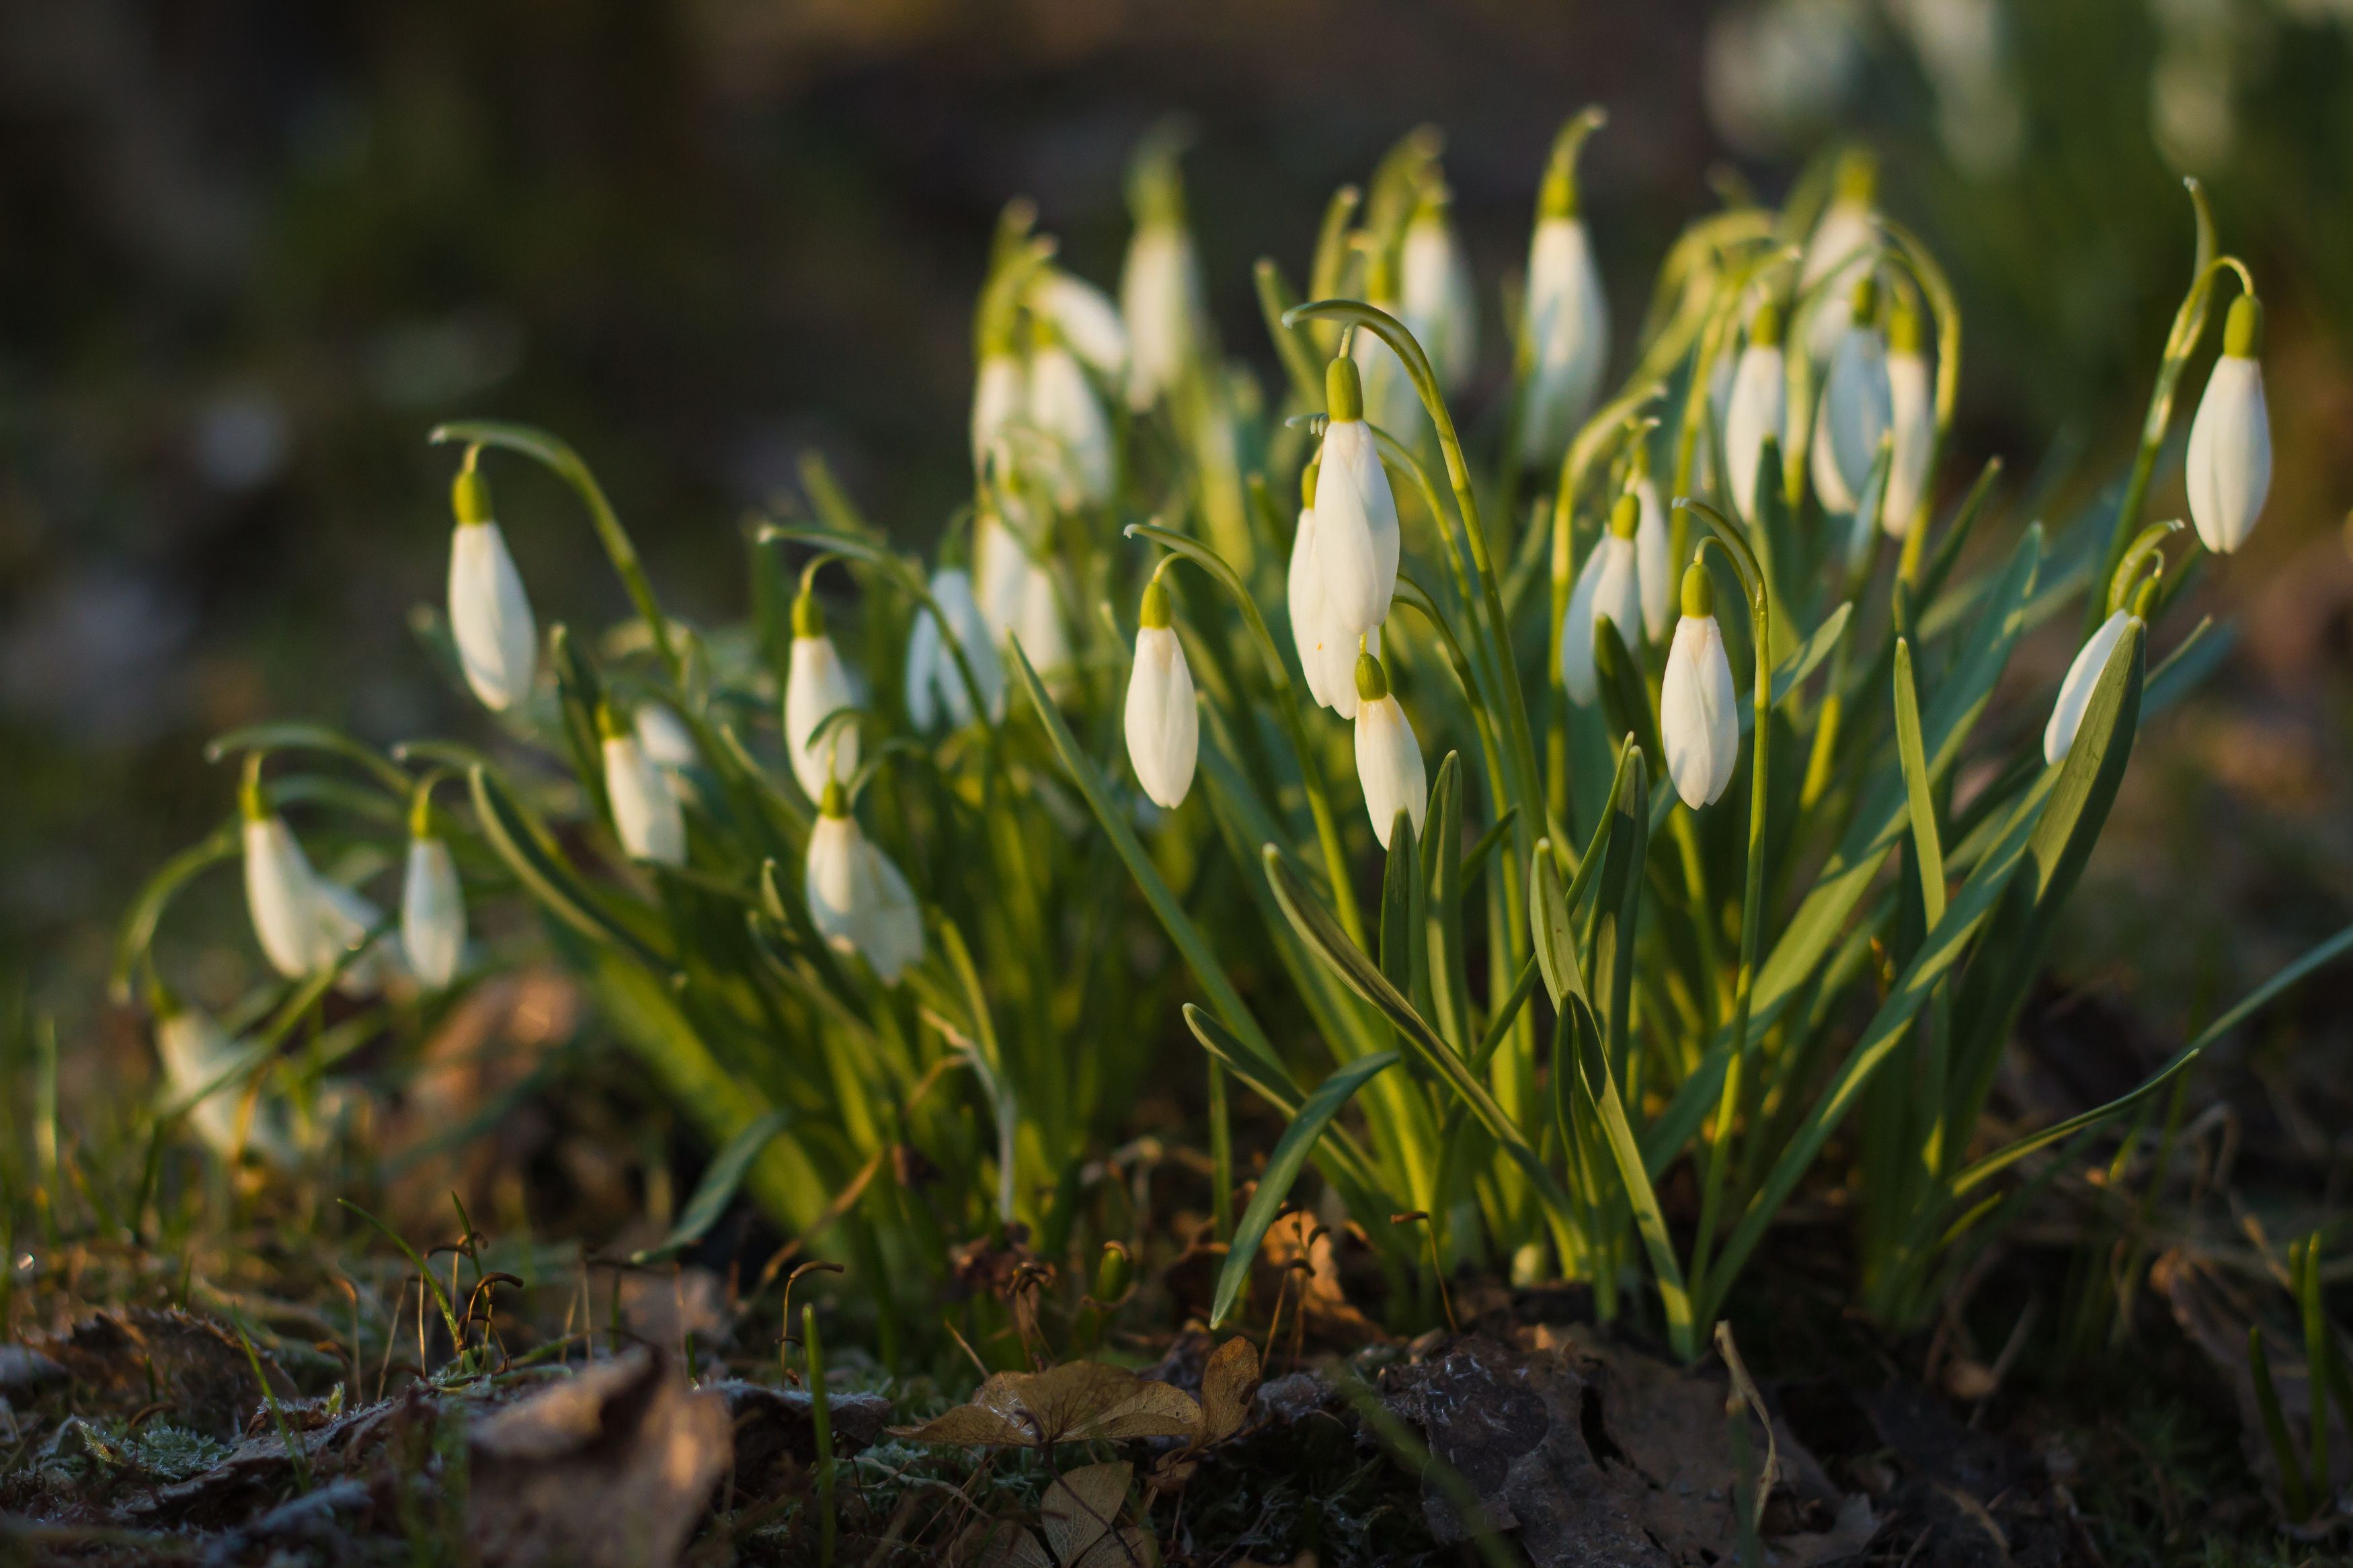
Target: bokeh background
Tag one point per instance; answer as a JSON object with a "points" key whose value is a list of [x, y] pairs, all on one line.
{"points": [[251, 251]]}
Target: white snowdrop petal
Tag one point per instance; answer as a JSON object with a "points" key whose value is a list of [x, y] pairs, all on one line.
{"points": [[2075, 691], [2229, 460], [1088, 322], [1063, 409], [1356, 535], [489, 616], [1654, 573], [665, 736], [1699, 712], [432, 913], [1389, 766], [1163, 726], [281, 896], [1158, 290], [1759, 410], [646, 814], [998, 401], [1913, 413], [1607, 588], [817, 684], [1856, 411], [1567, 337]]}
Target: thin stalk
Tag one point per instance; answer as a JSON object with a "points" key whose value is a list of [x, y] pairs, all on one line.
{"points": [[822, 1423]]}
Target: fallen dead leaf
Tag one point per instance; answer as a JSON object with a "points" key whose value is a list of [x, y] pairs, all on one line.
{"points": [[130, 1359], [1080, 1401]]}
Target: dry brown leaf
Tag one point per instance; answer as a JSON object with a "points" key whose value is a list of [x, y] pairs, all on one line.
{"points": [[1079, 1400], [1228, 1386], [1083, 1506]]}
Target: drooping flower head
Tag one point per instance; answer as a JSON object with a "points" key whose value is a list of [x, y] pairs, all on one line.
{"points": [[1565, 342], [647, 818], [1759, 410], [1608, 588], [1699, 713], [1163, 726], [817, 684], [2230, 466], [489, 616], [1388, 759], [1857, 406], [857, 899], [432, 902]]}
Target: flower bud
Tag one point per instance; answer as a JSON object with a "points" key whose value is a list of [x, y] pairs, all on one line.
{"points": [[197, 1055], [1355, 514], [1856, 407], [1699, 713], [1840, 251], [282, 891], [1912, 411], [1160, 295], [1063, 410], [1651, 568], [1437, 298], [1563, 346], [665, 737], [1388, 758], [857, 899], [999, 400], [489, 617], [934, 684], [2230, 466], [817, 684], [645, 815], [432, 911], [1085, 319], [1758, 409], [1164, 728], [2075, 691], [1607, 588]]}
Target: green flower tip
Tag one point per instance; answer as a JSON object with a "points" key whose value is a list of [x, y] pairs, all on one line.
{"points": [[1372, 684], [1865, 305], [2242, 329], [1765, 326], [1699, 592], [253, 801], [809, 616], [1154, 615], [1625, 515], [1559, 196], [1042, 332], [2144, 597], [1112, 1273], [836, 800], [1344, 389], [1858, 176], [420, 813], [1904, 333], [610, 725], [1307, 478], [470, 495]]}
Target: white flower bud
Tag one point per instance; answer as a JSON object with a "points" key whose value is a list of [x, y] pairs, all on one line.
{"points": [[1164, 727], [665, 736], [645, 815], [1651, 564], [2075, 691], [2229, 467], [1357, 533], [1388, 758], [489, 617], [933, 683], [1608, 588], [1000, 573], [281, 895], [1699, 713], [1063, 410], [999, 400], [1567, 329], [1840, 252], [1856, 407], [817, 684], [432, 912], [1759, 408], [1913, 412], [857, 899], [1437, 298], [1086, 318], [196, 1054], [1159, 293]]}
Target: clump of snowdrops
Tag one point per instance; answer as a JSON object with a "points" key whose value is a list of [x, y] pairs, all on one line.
{"points": [[1431, 752]]}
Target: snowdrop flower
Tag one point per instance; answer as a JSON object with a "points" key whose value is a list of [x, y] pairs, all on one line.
{"points": [[1438, 298], [1164, 728], [1063, 410], [1607, 589], [1390, 400], [197, 1054], [1085, 319], [282, 891], [1856, 407], [1327, 654], [432, 904], [1840, 251], [857, 899], [999, 399], [1913, 412], [1652, 569], [934, 684], [1001, 573], [1355, 514], [1565, 343], [2075, 691], [1759, 407], [665, 736], [1699, 715], [489, 619], [1160, 287], [1044, 638], [817, 683], [1388, 759], [2231, 438], [645, 815]]}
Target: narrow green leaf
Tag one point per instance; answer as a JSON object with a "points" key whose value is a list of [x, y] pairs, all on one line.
{"points": [[1450, 976], [717, 1188], [223, 843], [289, 736], [1914, 758], [1290, 1151], [1400, 958], [510, 833], [1554, 934], [1579, 1031]]}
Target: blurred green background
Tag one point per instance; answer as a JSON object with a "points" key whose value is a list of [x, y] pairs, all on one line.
{"points": [[249, 253]]}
